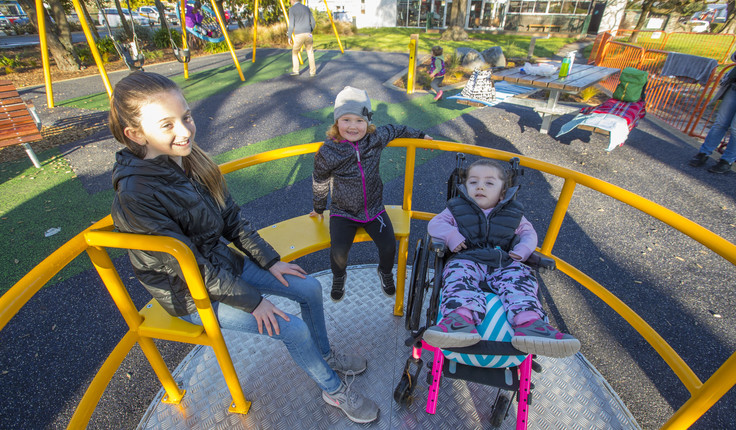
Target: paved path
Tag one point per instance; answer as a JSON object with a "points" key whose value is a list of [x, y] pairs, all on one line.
{"points": [[53, 347]]}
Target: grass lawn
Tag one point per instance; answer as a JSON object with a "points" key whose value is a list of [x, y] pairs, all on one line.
{"points": [[397, 40]]}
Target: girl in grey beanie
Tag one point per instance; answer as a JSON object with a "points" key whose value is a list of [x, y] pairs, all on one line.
{"points": [[348, 163]]}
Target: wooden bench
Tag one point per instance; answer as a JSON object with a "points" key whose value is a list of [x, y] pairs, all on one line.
{"points": [[19, 123], [302, 235], [543, 27]]}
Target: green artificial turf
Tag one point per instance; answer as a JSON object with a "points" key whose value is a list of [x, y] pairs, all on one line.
{"points": [[207, 83]]}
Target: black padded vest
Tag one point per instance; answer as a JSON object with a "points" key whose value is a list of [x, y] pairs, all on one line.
{"points": [[488, 239]]}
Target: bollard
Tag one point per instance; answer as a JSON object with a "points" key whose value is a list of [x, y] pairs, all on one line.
{"points": [[411, 77]]}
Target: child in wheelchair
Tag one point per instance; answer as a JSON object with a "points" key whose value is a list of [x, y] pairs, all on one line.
{"points": [[490, 239]]}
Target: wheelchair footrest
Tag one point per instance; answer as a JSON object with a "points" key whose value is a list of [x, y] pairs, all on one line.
{"points": [[501, 377]]}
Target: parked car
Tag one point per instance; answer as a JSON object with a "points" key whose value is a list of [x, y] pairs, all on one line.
{"points": [[73, 18], [149, 12], [341, 16], [4, 23], [714, 14], [172, 17], [113, 19]]}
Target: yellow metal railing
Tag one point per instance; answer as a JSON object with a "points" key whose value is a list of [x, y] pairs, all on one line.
{"points": [[94, 239]]}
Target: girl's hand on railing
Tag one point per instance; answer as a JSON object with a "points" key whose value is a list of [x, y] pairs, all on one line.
{"points": [[314, 214], [428, 137]]}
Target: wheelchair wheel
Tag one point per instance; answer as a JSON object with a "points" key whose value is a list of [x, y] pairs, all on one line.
{"points": [[414, 285], [437, 263], [500, 409], [403, 392], [416, 289]]}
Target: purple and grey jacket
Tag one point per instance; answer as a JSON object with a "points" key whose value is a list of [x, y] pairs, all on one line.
{"points": [[351, 170]]}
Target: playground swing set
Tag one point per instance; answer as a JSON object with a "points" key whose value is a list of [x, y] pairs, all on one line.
{"points": [[132, 55]]}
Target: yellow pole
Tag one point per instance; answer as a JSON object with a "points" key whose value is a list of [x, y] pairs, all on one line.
{"points": [[337, 36], [563, 202], [286, 18], [93, 47], [183, 21], [255, 29], [223, 27], [411, 76], [41, 17]]}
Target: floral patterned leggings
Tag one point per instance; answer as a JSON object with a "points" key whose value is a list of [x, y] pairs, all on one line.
{"points": [[514, 284]]}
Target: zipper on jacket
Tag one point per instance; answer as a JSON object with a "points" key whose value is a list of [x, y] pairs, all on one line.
{"points": [[362, 179]]}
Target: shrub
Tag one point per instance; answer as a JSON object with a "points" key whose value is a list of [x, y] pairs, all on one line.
{"points": [[588, 93], [10, 64], [161, 38], [274, 34], [105, 45], [153, 55], [84, 53], [215, 48]]}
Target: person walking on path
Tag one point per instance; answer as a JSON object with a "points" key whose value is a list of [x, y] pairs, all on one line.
{"points": [[725, 120], [301, 25], [437, 71]]}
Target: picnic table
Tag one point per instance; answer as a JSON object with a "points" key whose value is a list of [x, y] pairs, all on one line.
{"points": [[581, 77]]}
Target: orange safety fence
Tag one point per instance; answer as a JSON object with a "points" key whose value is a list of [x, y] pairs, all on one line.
{"points": [[709, 45], [681, 102]]}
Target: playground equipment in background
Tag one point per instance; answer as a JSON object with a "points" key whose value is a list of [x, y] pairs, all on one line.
{"points": [[136, 59], [208, 29], [96, 53], [129, 52]]}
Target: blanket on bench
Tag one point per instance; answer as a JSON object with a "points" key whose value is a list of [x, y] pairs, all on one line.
{"points": [[616, 117]]}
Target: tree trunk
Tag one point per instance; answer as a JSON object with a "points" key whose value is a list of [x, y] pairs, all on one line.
{"points": [[90, 21], [62, 24], [124, 21], [66, 58], [456, 22], [730, 25], [646, 7], [162, 16]]}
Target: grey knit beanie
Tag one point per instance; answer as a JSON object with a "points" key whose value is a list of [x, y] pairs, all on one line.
{"points": [[354, 101]]}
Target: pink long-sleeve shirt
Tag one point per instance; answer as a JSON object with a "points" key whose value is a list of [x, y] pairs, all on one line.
{"points": [[444, 227]]}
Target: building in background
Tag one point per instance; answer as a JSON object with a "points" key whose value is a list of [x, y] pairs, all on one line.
{"points": [[570, 16]]}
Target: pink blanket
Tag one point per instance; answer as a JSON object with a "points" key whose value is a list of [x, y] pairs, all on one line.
{"points": [[632, 112]]}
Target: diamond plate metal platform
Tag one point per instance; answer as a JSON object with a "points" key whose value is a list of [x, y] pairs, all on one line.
{"points": [[569, 393]]}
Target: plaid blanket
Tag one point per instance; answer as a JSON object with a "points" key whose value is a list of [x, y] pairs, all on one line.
{"points": [[632, 112]]}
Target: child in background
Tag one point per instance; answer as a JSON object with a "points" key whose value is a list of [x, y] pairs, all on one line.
{"points": [[166, 185], [490, 239], [437, 71], [348, 163]]}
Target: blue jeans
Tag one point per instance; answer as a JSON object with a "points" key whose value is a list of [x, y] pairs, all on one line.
{"points": [[725, 120], [306, 340]]}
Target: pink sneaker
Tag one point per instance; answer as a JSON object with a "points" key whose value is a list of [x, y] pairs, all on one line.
{"points": [[454, 331], [538, 337], [439, 95]]}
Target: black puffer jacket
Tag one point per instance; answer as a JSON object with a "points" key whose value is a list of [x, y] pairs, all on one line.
{"points": [[156, 197], [351, 169]]}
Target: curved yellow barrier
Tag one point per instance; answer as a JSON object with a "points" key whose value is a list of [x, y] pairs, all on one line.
{"points": [[95, 238]]}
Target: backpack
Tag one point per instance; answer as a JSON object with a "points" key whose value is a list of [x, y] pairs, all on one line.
{"points": [[631, 84]]}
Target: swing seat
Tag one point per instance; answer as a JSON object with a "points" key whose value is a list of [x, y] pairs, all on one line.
{"points": [[133, 64], [182, 55]]}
